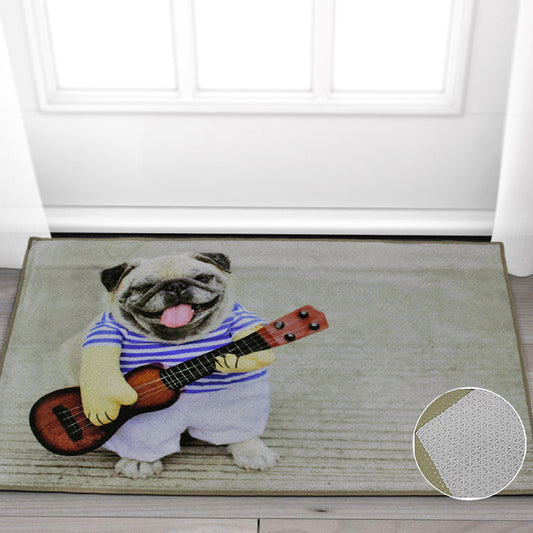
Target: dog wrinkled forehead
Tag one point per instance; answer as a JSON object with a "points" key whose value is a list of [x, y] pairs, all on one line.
{"points": [[166, 267], [173, 266]]}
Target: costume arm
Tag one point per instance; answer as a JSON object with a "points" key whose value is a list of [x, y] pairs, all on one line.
{"points": [[103, 387], [245, 363]]}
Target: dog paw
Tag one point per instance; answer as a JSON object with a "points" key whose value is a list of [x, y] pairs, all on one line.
{"points": [[138, 469], [253, 454]]}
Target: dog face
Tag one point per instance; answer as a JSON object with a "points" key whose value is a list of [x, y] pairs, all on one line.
{"points": [[174, 299]]}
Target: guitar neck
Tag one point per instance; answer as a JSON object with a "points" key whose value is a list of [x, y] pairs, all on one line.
{"points": [[178, 376], [298, 324]]}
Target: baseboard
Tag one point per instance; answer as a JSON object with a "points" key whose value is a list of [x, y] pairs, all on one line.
{"points": [[305, 221]]}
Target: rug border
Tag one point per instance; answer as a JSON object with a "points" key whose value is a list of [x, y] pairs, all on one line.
{"points": [[281, 493]]}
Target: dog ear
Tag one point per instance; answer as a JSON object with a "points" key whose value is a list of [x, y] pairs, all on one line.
{"points": [[219, 260], [111, 277]]}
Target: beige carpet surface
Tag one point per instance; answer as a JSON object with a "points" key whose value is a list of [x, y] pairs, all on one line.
{"points": [[408, 322]]}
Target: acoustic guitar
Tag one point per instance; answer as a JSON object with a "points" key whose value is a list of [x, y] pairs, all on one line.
{"points": [[60, 425]]}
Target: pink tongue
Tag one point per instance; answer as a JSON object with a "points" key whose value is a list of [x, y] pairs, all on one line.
{"points": [[175, 317]]}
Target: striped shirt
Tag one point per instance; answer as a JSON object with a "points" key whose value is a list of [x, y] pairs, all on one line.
{"points": [[138, 350]]}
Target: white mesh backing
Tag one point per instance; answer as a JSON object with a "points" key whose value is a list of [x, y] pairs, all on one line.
{"points": [[477, 444]]}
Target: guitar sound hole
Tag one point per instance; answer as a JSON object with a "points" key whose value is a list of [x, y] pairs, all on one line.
{"points": [[68, 422]]}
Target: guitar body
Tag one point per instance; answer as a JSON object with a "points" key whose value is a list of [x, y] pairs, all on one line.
{"points": [[59, 424]]}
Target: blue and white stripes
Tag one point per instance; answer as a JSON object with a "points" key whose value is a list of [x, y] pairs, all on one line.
{"points": [[138, 350]]}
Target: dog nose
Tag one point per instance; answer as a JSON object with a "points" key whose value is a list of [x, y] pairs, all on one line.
{"points": [[177, 286]]}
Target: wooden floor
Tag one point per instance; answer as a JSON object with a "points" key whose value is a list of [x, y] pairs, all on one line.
{"points": [[47, 512]]}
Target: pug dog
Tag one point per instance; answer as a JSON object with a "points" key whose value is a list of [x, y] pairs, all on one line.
{"points": [[165, 311]]}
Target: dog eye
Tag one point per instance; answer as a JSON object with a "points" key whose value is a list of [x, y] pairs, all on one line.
{"points": [[204, 278]]}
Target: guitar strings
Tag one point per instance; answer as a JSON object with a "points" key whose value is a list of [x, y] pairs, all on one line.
{"points": [[188, 367], [160, 386], [191, 365], [251, 343]]}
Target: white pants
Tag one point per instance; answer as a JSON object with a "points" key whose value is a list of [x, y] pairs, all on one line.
{"points": [[230, 415]]}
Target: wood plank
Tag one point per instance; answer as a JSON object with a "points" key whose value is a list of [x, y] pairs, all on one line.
{"points": [[522, 292], [528, 356], [59, 505], [126, 525], [9, 278], [394, 526]]}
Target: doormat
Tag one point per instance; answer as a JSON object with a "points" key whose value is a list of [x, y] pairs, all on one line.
{"points": [[408, 321]]}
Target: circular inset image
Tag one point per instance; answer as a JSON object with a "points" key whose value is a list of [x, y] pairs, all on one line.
{"points": [[469, 443]]}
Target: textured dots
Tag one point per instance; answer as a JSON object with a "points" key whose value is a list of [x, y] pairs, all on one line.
{"points": [[477, 444]]}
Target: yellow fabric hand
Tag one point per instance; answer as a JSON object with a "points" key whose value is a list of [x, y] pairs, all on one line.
{"points": [[246, 363], [103, 387]]}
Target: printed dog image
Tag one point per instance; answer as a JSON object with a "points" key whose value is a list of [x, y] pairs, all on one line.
{"points": [[166, 311]]}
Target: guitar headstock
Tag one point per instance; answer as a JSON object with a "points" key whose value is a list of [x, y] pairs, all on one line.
{"points": [[298, 324]]}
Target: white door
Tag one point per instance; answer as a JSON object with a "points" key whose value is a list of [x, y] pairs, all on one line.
{"points": [[250, 116]]}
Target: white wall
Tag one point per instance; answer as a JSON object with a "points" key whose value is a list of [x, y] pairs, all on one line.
{"points": [[21, 212], [374, 174]]}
